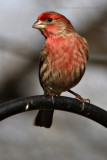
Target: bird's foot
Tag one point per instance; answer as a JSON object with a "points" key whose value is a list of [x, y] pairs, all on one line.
{"points": [[50, 93], [78, 97], [52, 97]]}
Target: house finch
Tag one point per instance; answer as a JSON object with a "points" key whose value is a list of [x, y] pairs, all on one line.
{"points": [[62, 59]]}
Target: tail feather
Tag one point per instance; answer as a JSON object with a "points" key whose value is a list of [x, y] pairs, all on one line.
{"points": [[44, 118]]}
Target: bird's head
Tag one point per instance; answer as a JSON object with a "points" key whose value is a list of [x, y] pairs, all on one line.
{"points": [[53, 23]]}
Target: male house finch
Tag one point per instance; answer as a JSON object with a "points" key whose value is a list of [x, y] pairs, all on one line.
{"points": [[62, 59]]}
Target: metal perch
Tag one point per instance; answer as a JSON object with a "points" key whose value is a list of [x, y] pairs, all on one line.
{"points": [[16, 106]]}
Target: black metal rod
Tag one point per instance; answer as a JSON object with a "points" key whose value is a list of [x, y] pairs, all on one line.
{"points": [[60, 103]]}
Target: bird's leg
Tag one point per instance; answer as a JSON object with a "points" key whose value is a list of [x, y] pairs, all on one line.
{"points": [[52, 96], [50, 93], [79, 98]]}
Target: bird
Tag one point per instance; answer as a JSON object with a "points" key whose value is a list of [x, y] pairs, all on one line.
{"points": [[62, 62]]}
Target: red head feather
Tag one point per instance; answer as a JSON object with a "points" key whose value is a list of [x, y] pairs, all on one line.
{"points": [[53, 15]]}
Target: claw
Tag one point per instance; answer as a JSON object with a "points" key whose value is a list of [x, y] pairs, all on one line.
{"points": [[52, 99], [82, 100], [78, 97], [50, 93], [88, 100]]}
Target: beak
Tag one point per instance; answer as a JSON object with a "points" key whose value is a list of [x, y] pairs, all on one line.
{"points": [[39, 25]]}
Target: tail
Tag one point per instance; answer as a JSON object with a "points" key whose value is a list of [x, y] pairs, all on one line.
{"points": [[44, 118]]}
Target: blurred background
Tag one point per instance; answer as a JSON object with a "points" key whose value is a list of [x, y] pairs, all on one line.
{"points": [[71, 136]]}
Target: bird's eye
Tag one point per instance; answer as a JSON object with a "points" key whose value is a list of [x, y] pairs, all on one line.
{"points": [[50, 19]]}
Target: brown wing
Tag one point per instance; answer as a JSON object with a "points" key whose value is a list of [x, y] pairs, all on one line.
{"points": [[43, 56], [86, 48]]}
